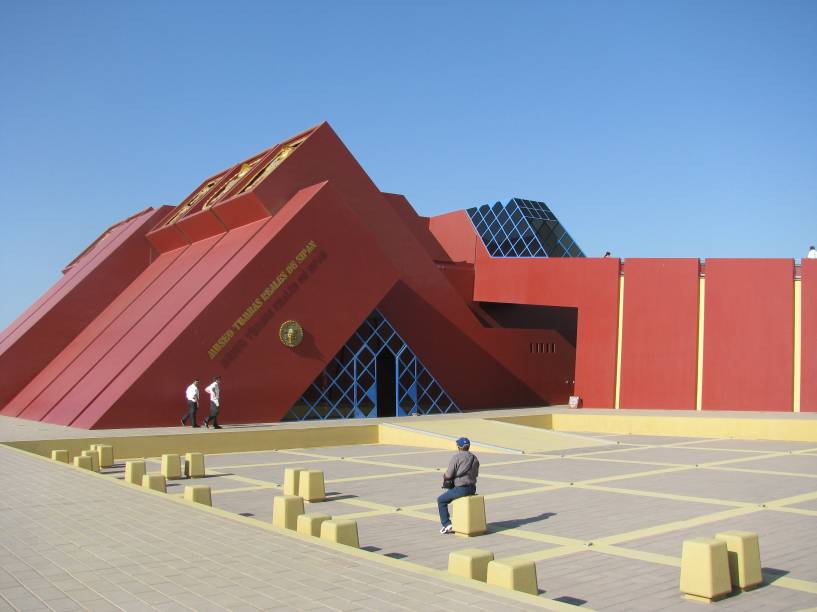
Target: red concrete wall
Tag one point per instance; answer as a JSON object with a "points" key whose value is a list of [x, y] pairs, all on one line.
{"points": [[659, 345], [89, 284], [455, 232], [748, 339], [262, 378], [808, 336], [591, 285]]}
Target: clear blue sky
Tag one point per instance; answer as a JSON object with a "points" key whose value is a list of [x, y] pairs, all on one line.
{"points": [[653, 129]]}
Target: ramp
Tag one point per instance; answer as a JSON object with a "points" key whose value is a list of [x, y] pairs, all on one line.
{"points": [[485, 434]]}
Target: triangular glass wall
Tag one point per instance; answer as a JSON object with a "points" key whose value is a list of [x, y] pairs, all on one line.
{"points": [[348, 386], [522, 228]]}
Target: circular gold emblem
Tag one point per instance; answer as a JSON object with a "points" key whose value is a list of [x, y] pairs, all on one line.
{"points": [[291, 333]]}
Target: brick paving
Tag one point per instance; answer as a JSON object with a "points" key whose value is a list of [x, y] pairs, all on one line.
{"points": [[604, 526], [72, 541]]}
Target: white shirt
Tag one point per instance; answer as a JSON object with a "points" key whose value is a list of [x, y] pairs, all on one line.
{"points": [[812, 254], [214, 390], [192, 393]]}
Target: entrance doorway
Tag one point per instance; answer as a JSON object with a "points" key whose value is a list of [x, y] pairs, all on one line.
{"points": [[386, 372]]}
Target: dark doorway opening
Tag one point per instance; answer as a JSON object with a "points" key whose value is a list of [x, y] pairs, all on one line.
{"points": [[386, 384]]}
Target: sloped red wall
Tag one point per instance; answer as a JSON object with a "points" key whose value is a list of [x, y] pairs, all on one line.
{"points": [[90, 282]]}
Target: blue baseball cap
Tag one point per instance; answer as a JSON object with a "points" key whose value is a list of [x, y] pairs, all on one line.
{"points": [[462, 442]]}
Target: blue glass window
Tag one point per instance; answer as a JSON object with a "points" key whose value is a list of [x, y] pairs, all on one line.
{"points": [[522, 228], [348, 386]]}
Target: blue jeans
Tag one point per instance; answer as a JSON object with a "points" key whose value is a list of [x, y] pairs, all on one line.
{"points": [[449, 496]]}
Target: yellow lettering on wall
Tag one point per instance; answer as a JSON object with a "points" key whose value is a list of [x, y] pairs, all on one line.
{"points": [[265, 295]]}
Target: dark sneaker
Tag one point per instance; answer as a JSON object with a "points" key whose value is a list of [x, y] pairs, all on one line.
{"points": [[216, 426], [183, 423]]}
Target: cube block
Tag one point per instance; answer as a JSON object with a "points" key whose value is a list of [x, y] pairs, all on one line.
{"points": [[199, 494], [94, 458], [155, 482], [341, 531], [743, 551], [285, 511], [468, 515], [171, 467], [194, 465], [705, 569], [518, 575], [310, 524], [134, 470], [291, 476], [105, 454], [84, 462], [470, 563], [59, 455], [310, 485]]}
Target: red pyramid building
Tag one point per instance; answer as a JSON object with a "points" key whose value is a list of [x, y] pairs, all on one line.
{"points": [[298, 233]]}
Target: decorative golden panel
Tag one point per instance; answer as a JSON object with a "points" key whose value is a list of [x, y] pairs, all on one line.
{"points": [[276, 161]]}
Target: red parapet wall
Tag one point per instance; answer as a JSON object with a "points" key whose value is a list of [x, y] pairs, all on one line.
{"points": [[748, 335], [808, 347], [659, 334], [591, 285]]}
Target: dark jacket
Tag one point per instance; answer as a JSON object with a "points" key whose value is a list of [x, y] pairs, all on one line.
{"points": [[465, 467]]}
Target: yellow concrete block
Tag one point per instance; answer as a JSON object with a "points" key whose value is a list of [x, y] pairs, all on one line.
{"points": [[84, 462], [285, 511], [743, 550], [518, 575], [134, 470], [705, 569], [310, 485], [105, 454], [94, 458], [341, 531], [468, 515], [470, 563], [60, 455], [291, 476], [156, 482], [310, 524], [171, 467], [194, 465], [199, 494]]}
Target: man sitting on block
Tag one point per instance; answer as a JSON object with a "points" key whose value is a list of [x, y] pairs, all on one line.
{"points": [[460, 480]]}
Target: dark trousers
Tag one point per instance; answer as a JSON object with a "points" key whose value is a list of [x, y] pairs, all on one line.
{"points": [[449, 496], [191, 412], [213, 418]]}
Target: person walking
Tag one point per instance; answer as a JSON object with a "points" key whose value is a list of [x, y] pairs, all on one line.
{"points": [[460, 480], [192, 395], [214, 390]]}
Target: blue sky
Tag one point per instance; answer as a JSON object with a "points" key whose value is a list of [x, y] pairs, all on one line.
{"points": [[652, 129]]}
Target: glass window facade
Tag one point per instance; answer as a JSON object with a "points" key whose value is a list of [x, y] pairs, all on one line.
{"points": [[522, 228], [348, 386]]}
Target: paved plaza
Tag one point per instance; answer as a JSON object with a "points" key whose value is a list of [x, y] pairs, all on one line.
{"points": [[604, 526]]}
